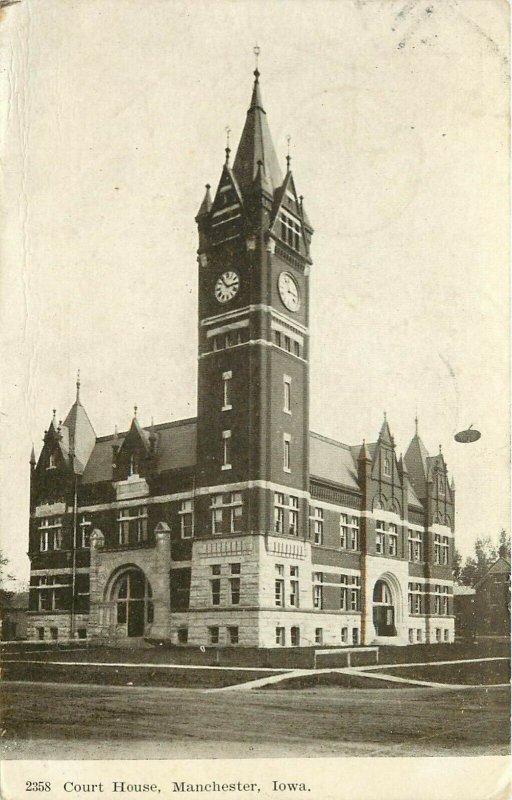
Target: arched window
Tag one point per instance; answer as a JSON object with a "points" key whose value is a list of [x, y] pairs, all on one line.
{"points": [[382, 593], [134, 604], [387, 466], [440, 485], [133, 466]]}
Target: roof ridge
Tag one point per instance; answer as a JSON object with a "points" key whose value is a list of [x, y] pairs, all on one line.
{"points": [[329, 440], [175, 423]]}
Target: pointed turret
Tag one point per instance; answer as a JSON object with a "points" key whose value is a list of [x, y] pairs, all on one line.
{"points": [[364, 453], [79, 433], [364, 464], [206, 205], [33, 461], [256, 145], [385, 434], [416, 461]]}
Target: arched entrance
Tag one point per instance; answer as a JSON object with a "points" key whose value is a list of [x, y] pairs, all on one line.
{"points": [[383, 610], [133, 602]]}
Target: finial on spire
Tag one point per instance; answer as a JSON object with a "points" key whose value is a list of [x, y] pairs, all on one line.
{"points": [[54, 415], [228, 148], [135, 408], [78, 386], [32, 456], [385, 416], [440, 449], [288, 156], [416, 424], [256, 50]]}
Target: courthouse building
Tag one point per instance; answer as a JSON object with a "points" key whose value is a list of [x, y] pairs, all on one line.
{"points": [[241, 527]]}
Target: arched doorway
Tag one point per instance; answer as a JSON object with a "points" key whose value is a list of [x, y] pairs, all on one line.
{"points": [[133, 599], [383, 610]]}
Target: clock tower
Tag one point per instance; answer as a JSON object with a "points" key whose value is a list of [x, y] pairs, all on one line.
{"points": [[253, 374]]}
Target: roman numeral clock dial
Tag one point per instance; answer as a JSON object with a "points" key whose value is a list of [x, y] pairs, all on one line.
{"points": [[227, 286], [288, 291]]}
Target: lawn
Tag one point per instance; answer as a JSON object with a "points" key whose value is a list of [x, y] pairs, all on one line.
{"points": [[475, 673]]}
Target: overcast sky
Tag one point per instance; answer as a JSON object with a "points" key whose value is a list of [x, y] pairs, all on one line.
{"points": [[398, 116]]}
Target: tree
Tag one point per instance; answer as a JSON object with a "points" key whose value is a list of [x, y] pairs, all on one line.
{"points": [[486, 552], [5, 595]]}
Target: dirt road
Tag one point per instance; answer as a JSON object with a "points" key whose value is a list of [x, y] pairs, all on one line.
{"points": [[66, 721]]}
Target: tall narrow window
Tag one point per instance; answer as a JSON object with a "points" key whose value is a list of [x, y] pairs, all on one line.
{"points": [[295, 636], [354, 533], [287, 452], [226, 450], [344, 531], [279, 586], [287, 394], [393, 539], [294, 586], [387, 466], [85, 530], [216, 509], [236, 512], [318, 525], [215, 585], [133, 525], [186, 519], [279, 512], [226, 391], [318, 578], [293, 516], [379, 536]]}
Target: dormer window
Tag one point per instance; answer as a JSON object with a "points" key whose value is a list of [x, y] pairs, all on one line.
{"points": [[133, 466], [290, 230], [52, 462]]}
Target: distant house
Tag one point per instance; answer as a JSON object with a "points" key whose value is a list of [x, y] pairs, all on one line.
{"points": [[464, 604], [13, 616], [492, 598]]}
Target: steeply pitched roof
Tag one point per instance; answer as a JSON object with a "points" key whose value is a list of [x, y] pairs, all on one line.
{"points": [[416, 462], [78, 435], [176, 450], [256, 145], [332, 461]]}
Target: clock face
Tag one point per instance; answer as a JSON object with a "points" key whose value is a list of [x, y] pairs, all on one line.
{"points": [[227, 286], [288, 291]]}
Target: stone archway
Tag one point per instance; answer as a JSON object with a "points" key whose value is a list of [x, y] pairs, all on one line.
{"points": [[384, 611], [130, 599]]}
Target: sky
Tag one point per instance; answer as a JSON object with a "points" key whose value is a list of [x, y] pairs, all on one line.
{"points": [[398, 117]]}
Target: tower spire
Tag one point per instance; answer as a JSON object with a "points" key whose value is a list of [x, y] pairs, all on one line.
{"points": [[78, 386]]}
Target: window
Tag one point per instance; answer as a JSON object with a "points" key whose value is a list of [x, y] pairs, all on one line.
{"points": [[216, 569], [54, 633], [186, 519], [295, 636], [235, 568], [226, 391], [318, 525], [233, 634], [215, 591], [278, 512], [344, 531], [40, 633], [296, 348], [82, 633], [293, 516], [287, 344], [50, 534], [277, 338], [227, 510], [133, 466], [133, 525], [286, 453], [344, 635], [287, 400], [441, 599], [411, 635], [380, 528], [355, 635], [290, 230], [415, 546], [354, 533], [182, 635], [416, 598], [279, 586], [446, 635], [294, 593], [280, 637], [318, 579], [216, 510], [387, 466], [226, 450], [319, 635], [438, 634], [234, 591], [52, 461], [350, 593], [82, 593], [419, 635], [53, 592], [85, 531], [444, 550], [393, 539], [440, 485], [213, 634]]}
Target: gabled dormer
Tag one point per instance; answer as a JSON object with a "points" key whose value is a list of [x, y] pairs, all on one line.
{"points": [[226, 217], [385, 464], [136, 456], [289, 223]]}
